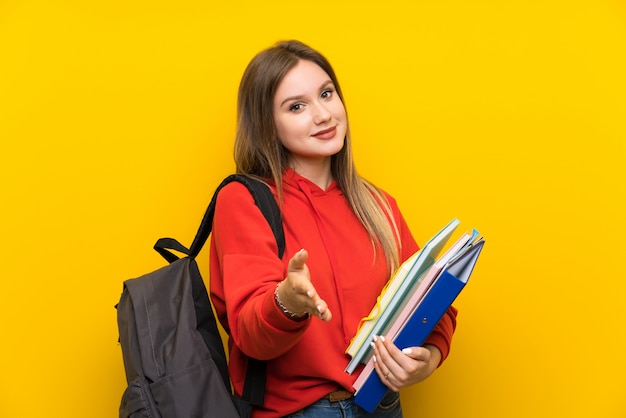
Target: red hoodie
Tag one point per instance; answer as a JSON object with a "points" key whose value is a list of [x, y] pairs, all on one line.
{"points": [[306, 360]]}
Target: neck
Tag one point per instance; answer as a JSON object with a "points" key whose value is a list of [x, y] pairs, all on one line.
{"points": [[317, 171]]}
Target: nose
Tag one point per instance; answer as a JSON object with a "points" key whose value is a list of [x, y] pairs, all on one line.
{"points": [[322, 114]]}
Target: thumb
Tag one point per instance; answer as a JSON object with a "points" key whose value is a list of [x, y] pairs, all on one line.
{"points": [[298, 261], [417, 353]]}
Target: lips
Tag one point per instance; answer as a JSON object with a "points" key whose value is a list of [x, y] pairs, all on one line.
{"points": [[326, 133]]}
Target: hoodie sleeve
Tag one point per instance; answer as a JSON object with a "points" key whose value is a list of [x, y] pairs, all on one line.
{"points": [[441, 337], [245, 269]]}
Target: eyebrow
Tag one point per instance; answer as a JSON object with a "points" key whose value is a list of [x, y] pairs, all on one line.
{"points": [[300, 96]]}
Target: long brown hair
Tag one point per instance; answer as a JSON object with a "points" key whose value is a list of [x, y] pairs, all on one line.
{"points": [[259, 153]]}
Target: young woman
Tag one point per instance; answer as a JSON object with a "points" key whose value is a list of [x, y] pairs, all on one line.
{"points": [[344, 238]]}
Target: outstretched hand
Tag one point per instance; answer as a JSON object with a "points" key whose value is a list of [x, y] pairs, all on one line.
{"points": [[298, 294]]}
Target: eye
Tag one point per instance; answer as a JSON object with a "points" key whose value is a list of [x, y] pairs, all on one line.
{"points": [[296, 107], [327, 93]]}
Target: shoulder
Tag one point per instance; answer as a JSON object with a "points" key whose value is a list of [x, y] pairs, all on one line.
{"points": [[233, 204], [383, 196], [236, 192], [239, 226], [236, 203]]}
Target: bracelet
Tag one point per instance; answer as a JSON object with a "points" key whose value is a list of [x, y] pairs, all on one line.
{"points": [[285, 310]]}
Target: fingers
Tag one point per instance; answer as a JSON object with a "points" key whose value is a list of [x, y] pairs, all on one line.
{"points": [[321, 307], [384, 365], [399, 368], [324, 313]]}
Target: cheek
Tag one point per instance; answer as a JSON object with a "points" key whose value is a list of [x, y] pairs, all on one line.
{"points": [[280, 128], [339, 111], [289, 130]]}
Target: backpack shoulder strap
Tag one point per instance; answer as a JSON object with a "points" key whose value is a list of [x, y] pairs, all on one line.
{"points": [[263, 198]]}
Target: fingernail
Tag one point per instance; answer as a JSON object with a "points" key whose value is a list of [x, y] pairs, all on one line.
{"points": [[375, 337], [382, 338], [374, 358], [319, 308], [372, 345], [407, 351], [301, 250]]}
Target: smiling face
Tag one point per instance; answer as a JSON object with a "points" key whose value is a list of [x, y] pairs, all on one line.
{"points": [[309, 115]]}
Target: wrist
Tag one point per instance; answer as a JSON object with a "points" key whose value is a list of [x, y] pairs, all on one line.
{"points": [[285, 310], [435, 355]]}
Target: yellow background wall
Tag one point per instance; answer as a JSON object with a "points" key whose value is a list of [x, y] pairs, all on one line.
{"points": [[116, 124]]}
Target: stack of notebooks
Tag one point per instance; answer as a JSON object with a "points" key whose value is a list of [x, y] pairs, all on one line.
{"points": [[411, 304]]}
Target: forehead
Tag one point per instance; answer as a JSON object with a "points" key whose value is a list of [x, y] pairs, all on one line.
{"points": [[306, 77]]}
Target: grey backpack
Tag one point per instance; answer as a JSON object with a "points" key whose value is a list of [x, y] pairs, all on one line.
{"points": [[173, 353]]}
